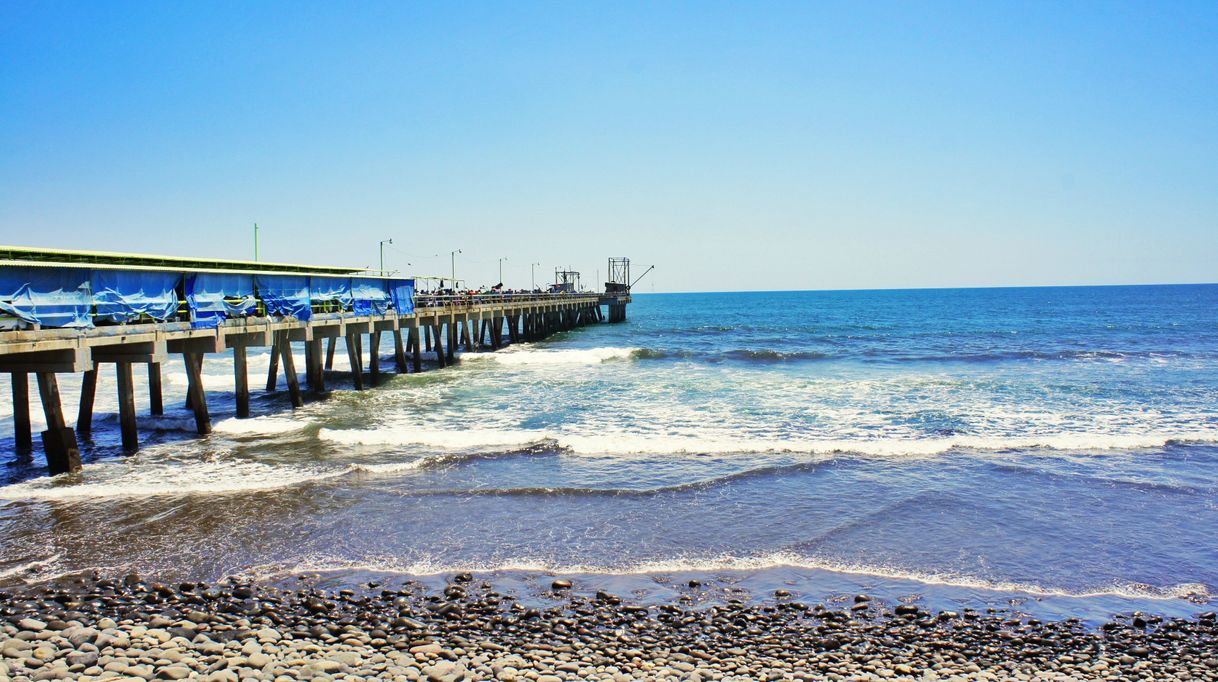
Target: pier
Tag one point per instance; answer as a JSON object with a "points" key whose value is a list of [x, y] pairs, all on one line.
{"points": [[73, 312]]}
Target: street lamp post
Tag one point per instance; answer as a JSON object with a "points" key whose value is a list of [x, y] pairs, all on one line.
{"points": [[533, 276], [501, 270], [453, 254], [383, 243]]}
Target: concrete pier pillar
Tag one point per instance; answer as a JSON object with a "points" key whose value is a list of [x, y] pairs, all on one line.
{"points": [[22, 433], [416, 351], [156, 401], [450, 352], [310, 380], [399, 351], [241, 382], [331, 342], [353, 357], [439, 349], [374, 353], [272, 372], [198, 397], [318, 382], [58, 441], [88, 391], [289, 371], [126, 407]]}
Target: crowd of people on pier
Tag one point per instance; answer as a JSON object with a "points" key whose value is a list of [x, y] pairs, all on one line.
{"points": [[445, 295]]}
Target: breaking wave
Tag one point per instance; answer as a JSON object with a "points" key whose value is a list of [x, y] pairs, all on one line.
{"points": [[633, 443]]}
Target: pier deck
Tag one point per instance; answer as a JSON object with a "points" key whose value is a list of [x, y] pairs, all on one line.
{"points": [[432, 325]]}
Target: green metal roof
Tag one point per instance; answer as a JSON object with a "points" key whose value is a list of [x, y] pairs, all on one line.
{"points": [[104, 258]]}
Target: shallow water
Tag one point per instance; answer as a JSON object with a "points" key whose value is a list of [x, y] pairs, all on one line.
{"points": [[1050, 448]]}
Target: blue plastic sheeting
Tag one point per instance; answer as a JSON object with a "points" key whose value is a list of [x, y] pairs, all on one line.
{"points": [[401, 292], [286, 295], [370, 296], [51, 297], [211, 297], [125, 295], [334, 291]]}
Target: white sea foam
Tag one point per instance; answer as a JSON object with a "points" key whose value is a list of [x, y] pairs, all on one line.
{"points": [[110, 480], [391, 467], [632, 443], [777, 560], [455, 439], [521, 356], [265, 425], [28, 568]]}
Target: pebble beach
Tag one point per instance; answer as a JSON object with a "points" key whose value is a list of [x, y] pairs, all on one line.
{"points": [[131, 629]]}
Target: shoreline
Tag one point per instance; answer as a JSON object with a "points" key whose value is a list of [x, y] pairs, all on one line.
{"points": [[462, 628]]}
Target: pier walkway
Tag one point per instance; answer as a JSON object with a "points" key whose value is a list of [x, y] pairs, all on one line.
{"points": [[73, 312]]}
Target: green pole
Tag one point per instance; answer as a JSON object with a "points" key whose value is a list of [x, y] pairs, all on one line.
{"points": [[255, 242]]}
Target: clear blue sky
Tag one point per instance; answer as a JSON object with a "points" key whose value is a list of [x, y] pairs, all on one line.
{"points": [[734, 145]]}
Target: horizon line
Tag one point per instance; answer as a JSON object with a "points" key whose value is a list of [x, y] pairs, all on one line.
{"points": [[932, 288]]}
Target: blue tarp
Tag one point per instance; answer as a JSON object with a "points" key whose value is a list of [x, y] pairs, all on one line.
{"points": [[370, 296], [333, 291], [286, 295], [51, 297], [211, 297], [125, 295], [401, 292]]}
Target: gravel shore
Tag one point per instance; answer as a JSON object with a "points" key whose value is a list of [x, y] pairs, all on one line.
{"points": [[129, 629]]}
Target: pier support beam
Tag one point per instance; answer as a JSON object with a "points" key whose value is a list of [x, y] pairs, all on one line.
{"points": [[399, 351], [58, 441], [88, 390], [198, 398], [23, 436], [241, 382], [353, 357], [289, 370], [317, 375], [330, 343], [308, 348], [439, 349], [126, 407], [374, 354], [272, 372], [156, 401], [449, 353], [416, 352]]}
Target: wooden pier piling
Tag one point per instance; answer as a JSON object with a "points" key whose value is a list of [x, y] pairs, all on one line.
{"points": [[23, 435], [58, 441], [156, 402], [88, 391], [289, 370], [194, 388], [241, 384]]}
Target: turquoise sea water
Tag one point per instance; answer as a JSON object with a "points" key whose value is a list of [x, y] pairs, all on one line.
{"points": [[1052, 448]]}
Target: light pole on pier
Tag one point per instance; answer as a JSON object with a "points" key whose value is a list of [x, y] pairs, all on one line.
{"points": [[383, 243], [501, 270], [533, 276], [255, 242], [454, 264]]}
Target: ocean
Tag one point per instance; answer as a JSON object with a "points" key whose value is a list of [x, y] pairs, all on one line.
{"points": [[1051, 451]]}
